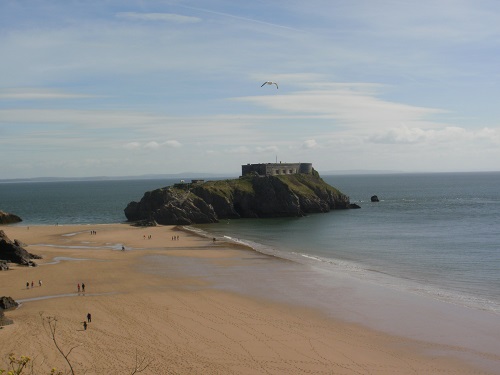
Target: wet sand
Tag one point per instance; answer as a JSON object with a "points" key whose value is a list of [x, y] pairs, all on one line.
{"points": [[179, 318]]}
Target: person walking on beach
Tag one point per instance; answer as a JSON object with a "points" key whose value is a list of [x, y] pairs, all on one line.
{"points": [[84, 325], [39, 282], [32, 284], [89, 318], [83, 287], [27, 284], [78, 286]]}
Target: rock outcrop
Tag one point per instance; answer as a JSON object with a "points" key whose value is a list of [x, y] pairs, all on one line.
{"points": [[3, 320], [246, 197], [6, 303], [374, 198], [13, 253], [6, 218]]}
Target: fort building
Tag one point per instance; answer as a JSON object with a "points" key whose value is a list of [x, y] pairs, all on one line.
{"points": [[274, 169]]}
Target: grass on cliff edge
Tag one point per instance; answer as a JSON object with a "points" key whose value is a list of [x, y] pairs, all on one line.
{"points": [[308, 185], [301, 184]]}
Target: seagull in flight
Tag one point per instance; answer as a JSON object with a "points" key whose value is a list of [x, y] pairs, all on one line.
{"points": [[269, 83]]}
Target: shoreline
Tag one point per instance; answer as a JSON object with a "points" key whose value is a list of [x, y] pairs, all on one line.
{"points": [[180, 311]]}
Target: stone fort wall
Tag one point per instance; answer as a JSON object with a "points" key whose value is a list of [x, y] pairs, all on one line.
{"points": [[274, 169]]}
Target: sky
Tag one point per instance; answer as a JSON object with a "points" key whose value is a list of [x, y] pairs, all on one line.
{"points": [[135, 87]]}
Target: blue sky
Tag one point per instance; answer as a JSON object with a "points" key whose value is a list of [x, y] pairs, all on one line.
{"points": [[130, 87]]}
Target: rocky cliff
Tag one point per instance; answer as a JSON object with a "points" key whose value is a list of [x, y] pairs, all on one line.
{"points": [[6, 218], [13, 251], [6, 303], [246, 197]]}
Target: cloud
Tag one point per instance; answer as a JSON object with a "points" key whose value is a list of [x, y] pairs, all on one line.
{"points": [[260, 149], [353, 105], [35, 93], [165, 17], [240, 18], [79, 117], [151, 145], [309, 144], [449, 134], [132, 146], [244, 150], [173, 144], [238, 150]]}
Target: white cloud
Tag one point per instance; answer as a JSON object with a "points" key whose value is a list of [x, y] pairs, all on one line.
{"points": [[173, 144], [356, 105], [449, 134], [34, 93], [310, 143], [132, 146], [81, 117], [239, 18], [261, 149], [238, 150], [168, 17], [152, 145]]}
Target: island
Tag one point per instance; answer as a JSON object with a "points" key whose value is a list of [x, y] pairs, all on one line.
{"points": [[263, 191]]}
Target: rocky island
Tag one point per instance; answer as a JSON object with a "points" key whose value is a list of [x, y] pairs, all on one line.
{"points": [[259, 193]]}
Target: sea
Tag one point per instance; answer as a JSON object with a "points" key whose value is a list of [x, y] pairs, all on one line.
{"points": [[430, 237]]}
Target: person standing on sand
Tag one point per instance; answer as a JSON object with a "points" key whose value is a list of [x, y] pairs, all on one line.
{"points": [[84, 325], [78, 286], [83, 288], [89, 318], [27, 284], [39, 282]]}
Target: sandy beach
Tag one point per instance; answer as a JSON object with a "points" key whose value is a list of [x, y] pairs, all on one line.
{"points": [[175, 324]]}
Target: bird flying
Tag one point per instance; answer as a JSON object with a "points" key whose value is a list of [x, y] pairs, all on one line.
{"points": [[269, 83]]}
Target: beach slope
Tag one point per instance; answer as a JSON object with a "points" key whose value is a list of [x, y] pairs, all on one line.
{"points": [[179, 323]]}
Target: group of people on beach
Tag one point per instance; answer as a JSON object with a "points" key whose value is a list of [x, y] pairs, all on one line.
{"points": [[175, 238], [33, 284], [85, 323], [93, 232], [82, 288]]}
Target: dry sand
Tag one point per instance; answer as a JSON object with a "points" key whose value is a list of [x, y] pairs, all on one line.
{"points": [[178, 325]]}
